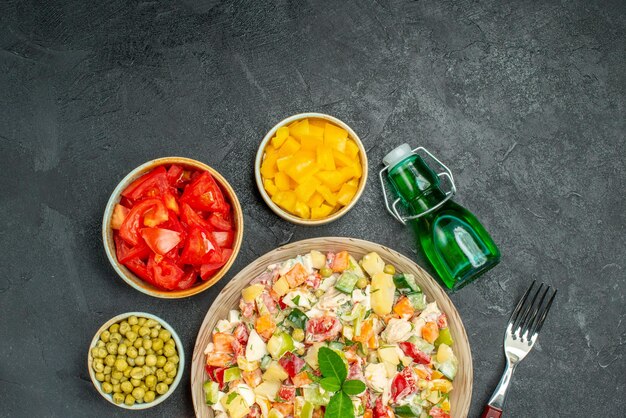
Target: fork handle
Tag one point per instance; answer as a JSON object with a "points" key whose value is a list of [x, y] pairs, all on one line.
{"points": [[491, 412]]}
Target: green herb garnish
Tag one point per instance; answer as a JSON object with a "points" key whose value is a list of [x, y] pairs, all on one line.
{"points": [[335, 372]]}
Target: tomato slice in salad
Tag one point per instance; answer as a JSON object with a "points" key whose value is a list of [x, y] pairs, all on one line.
{"points": [[204, 194], [199, 247], [160, 240], [125, 252], [220, 222], [191, 218], [152, 211], [151, 184], [165, 272]]}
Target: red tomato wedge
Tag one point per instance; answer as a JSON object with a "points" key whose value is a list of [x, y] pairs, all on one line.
{"points": [[165, 272], [173, 227], [204, 194], [129, 230], [150, 184], [119, 214], [161, 240]]}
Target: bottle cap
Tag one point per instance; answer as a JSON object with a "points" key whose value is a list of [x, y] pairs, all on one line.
{"points": [[396, 155]]}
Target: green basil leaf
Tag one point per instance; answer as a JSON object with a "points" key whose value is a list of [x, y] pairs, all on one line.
{"points": [[331, 365], [353, 387], [340, 406], [331, 384]]}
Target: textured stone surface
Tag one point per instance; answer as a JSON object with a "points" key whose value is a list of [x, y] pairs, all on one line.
{"points": [[524, 101]]}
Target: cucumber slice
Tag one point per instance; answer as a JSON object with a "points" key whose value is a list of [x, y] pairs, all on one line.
{"points": [[417, 300], [406, 283], [444, 338], [231, 374], [346, 282], [211, 392], [448, 369], [307, 410], [279, 344], [407, 411], [312, 394], [335, 345], [297, 318]]}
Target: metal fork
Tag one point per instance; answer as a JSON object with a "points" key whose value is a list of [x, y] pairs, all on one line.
{"points": [[520, 337]]}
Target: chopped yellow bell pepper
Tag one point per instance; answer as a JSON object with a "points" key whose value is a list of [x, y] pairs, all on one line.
{"points": [[285, 199], [282, 181], [289, 147], [321, 212], [442, 385], [302, 210], [353, 182], [299, 129], [305, 190], [302, 166], [283, 163], [268, 166], [325, 159], [335, 137], [316, 129], [352, 149], [310, 142], [316, 200], [281, 136], [270, 187], [333, 179], [345, 194], [341, 159], [328, 196]]}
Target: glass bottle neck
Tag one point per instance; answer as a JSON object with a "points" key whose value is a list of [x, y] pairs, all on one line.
{"points": [[427, 200]]}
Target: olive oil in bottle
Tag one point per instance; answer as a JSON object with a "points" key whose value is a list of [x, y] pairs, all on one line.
{"points": [[453, 240]]}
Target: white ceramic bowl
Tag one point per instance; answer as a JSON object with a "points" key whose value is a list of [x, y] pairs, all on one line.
{"points": [[179, 349], [283, 213]]}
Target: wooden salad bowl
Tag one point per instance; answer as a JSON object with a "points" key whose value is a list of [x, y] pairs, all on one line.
{"points": [[229, 299]]}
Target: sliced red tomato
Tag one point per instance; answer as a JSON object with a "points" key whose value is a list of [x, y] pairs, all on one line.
{"points": [[170, 202], [287, 393], [208, 269], [223, 238], [125, 252], [161, 240], [174, 175], [150, 184], [191, 218], [140, 269], [156, 215], [291, 363], [119, 214], [129, 229], [322, 328], [436, 412], [216, 374], [220, 222], [165, 272], [188, 279], [403, 384], [126, 202], [199, 247], [204, 194], [415, 353], [382, 411]]}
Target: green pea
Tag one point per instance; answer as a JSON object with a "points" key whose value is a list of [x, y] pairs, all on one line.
{"points": [[140, 360], [117, 388], [141, 351], [161, 360], [169, 381], [129, 400], [114, 328], [94, 352], [133, 320], [151, 381], [170, 342], [107, 387], [151, 323], [115, 337], [112, 348], [154, 333], [104, 336], [100, 343], [149, 396], [137, 373], [124, 327], [144, 331], [389, 269], [116, 374], [298, 334], [126, 387], [151, 360], [165, 335], [109, 360], [141, 321], [122, 349], [169, 351], [135, 382], [160, 375], [121, 365], [169, 367], [132, 336], [131, 362], [157, 344], [161, 388], [174, 359], [326, 271], [107, 369], [107, 378], [100, 377], [131, 352], [362, 283], [118, 398], [102, 352], [115, 381], [135, 328], [138, 393], [138, 343], [173, 373], [97, 367], [147, 344]]}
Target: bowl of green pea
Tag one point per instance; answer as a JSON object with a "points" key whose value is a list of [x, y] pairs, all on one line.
{"points": [[136, 360]]}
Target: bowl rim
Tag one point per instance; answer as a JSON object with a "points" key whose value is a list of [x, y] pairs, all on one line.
{"points": [[107, 234], [283, 213], [181, 363]]}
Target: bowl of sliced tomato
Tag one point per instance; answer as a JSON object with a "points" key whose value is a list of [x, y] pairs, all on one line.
{"points": [[172, 227]]}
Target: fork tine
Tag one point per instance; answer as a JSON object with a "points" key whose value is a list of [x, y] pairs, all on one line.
{"points": [[515, 314], [543, 316], [526, 309], [534, 314]]}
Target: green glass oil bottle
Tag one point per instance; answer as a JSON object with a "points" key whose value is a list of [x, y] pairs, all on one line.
{"points": [[453, 240]]}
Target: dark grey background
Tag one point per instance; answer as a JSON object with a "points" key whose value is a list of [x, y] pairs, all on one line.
{"points": [[524, 100]]}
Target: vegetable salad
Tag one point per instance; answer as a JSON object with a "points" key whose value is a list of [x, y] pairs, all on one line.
{"points": [[327, 335]]}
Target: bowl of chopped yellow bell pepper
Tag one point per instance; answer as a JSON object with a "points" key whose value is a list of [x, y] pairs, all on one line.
{"points": [[311, 168]]}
